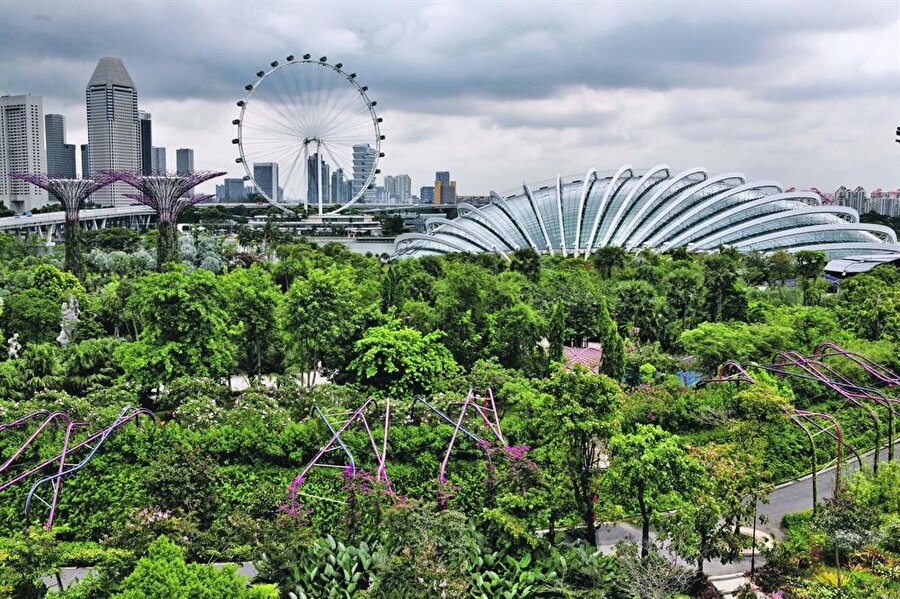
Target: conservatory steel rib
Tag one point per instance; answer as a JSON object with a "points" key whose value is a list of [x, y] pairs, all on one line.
{"points": [[651, 209]]}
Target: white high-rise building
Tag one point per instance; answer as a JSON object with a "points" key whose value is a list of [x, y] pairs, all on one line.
{"points": [[114, 131], [21, 151], [398, 189]]}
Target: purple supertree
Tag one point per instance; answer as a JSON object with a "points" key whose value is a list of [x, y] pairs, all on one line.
{"points": [[72, 193], [168, 196]]}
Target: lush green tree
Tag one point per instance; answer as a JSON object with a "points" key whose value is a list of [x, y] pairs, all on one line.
{"points": [[684, 288], [556, 333], [33, 315], [608, 258], [320, 315], [724, 297], [847, 525], [518, 331], [580, 297], [184, 329], [462, 308], [648, 472], [400, 362], [527, 262], [637, 310], [163, 574], [252, 298], [870, 306], [613, 364], [809, 268], [577, 416], [90, 364]]}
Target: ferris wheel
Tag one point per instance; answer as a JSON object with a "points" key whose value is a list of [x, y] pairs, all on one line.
{"points": [[308, 133]]}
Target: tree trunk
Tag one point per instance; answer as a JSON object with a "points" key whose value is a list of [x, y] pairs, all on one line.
{"points": [[72, 235], [167, 244], [645, 525]]}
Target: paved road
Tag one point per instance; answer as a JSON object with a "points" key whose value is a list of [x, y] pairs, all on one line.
{"points": [[793, 496]]}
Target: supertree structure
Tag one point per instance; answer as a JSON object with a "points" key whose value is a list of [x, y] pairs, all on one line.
{"points": [[168, 196], [72, 193]]}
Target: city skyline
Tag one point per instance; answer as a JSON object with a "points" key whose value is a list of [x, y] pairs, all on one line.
{"points": [[786, 91]]}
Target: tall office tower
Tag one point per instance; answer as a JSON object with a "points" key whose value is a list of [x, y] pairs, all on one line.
{"points": [[146, 142], [21, 151], [60, 155], [389, 191], [341, 188], [157, 161], [426, 194], [184, 160], [403, 187], [444, 188], [312, 180], [363, 164], [85, 162], [114, 132], [265, 174], [184, 163]]}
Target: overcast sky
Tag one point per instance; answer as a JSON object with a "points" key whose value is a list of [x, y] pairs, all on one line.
{"points": [[807, 94]]}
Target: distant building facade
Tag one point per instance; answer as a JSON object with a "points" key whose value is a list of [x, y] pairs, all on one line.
{"points": [[184, 160], [21, 151], [855, 198], [85, 161], [444, 188], [60, 155], [114, 132], [341, 187], [426, 194], [313, 171], [146, 142], [398, 188], [363, 165], [158, 161], [232, 190], [265, 174], [885, 202]]}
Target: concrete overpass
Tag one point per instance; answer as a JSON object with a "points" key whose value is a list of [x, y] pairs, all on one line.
{"points": [[49, 225]]}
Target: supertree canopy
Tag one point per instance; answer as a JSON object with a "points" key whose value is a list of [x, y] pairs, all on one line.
{"points": [[72, 193], [168, 196]]}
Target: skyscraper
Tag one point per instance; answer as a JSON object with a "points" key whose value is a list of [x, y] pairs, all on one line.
{"points": [[265, 174], [158, 161], [312, 180], [114, 132], [184, 160], [444, 188], [146, 142], [363, 165], [60, 155], [426, 194], [341, 188], [85, 162], [21, 151], [398, 189]]}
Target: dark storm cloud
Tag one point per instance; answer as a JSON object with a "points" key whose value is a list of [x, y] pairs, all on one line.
{"points": [[432, 58]]}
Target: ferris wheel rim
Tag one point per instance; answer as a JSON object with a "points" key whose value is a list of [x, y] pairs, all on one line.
{"points": [[350, 78]]}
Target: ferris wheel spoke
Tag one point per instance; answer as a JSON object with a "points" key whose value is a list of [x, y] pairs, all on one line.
{"points": [[270, 126], [280, 104], [289, 176]]}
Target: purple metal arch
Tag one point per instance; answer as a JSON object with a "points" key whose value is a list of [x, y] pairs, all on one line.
{"points": [[492, 423], [127, 415], [380, 456], [879, 371], [854, 393]]}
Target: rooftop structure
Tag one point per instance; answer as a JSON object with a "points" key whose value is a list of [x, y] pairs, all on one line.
{"points": [[651, 209]]}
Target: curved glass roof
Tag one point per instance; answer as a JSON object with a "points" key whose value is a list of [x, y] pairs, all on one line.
{"points": [[658, 209]]}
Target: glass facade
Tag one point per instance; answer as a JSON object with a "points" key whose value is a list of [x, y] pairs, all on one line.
{"points": [[654, 209]]}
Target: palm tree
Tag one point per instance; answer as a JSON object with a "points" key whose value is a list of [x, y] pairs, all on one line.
{"points": [[608, 258]]}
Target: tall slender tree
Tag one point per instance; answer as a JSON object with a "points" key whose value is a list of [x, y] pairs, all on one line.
{"points": [[72, 193]]}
